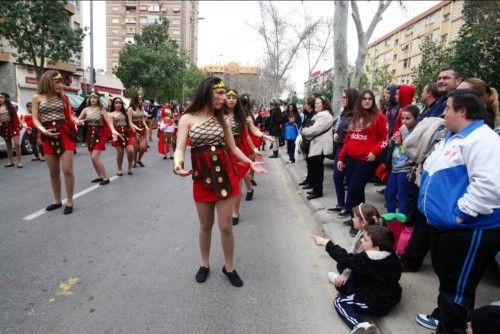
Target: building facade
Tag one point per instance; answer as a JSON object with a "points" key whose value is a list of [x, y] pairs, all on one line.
{"points": [[399, 51], [125, 18], [318, 81], [20, 81], [245, 79]]}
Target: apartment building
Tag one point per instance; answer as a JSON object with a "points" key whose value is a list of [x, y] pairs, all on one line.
{"points": [[399, 50], [318, 81], [125, 18], [245, 79], [20, 81]]}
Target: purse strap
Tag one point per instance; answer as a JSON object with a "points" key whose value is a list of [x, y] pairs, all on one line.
{"points": [[323, 132]]}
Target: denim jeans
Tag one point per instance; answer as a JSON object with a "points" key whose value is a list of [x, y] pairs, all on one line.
{"points": [[398, 187], [357, 173], [338, 180]]}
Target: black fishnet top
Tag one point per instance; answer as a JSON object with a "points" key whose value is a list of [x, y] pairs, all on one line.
{"points": [[207, 133]]}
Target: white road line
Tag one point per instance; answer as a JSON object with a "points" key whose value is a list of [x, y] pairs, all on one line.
{"points": [[81, 193]]}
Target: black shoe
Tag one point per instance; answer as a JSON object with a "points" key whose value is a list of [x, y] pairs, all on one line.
{"points": [[310, 192], [236, 220], [307, 186], [104, 182], [129, 172], [314, 195], [53, 207], [304, 183], [202, 274], [249, 196], [335, 209], [348, 223], [344, 213], [140, 163], [68, 210], [353, 232], [252, 181], [164, 158], [233, 276], [99, 179]]}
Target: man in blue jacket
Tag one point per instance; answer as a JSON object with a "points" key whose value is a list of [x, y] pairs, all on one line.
{"points": [[460, 197]]}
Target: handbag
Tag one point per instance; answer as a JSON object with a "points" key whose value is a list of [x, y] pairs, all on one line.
{"points": [[305, 145]]}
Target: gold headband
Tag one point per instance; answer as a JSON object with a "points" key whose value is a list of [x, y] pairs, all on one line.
{"points": [[93, 94], [57, 76], [219, 85], [231, 92], [118, 99]]}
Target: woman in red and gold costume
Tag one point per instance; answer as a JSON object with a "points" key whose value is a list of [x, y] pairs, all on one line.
{"points": [[9, 129], [215, 184], [138, 116], [53, 117], [166, 129], [98, 122], [123, 125]]}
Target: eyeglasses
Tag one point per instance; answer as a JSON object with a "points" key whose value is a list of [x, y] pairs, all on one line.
{"points": [[444, 78]]}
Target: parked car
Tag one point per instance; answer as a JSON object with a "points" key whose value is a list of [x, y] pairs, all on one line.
{"points": [[24, 142]]}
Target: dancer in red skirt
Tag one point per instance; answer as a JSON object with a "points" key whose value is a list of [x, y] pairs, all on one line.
{"points": [[9, 129], [123, 124], [138, 115], [215, 183], [97, 134], [33, 134], [167, 128], [53, 117]]}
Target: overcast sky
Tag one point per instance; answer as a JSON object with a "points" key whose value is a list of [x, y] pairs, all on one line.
{"points": [[226, 33]]}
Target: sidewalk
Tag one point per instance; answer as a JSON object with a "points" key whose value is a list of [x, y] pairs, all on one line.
{"points": [[420, 289]]}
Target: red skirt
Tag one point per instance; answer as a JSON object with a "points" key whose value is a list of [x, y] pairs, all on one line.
{"points": [[60, 144], [96, 138], [242, 168], [214, 175], [139, 136], [8, 130], [128, 138], [164, 138]]}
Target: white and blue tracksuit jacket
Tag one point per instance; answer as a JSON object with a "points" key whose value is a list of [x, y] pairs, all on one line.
{"points": [[462, 178]]}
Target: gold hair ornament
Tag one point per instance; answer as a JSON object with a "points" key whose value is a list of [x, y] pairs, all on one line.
{"points": [[57, 76], [219, 85], [94, 94], [231, 92]]}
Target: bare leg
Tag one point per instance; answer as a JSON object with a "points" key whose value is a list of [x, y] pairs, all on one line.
{"points": [[141, 152], [69, 176], [17, 147], [236, 206], [248, 184], [98, 165], [119, 157], [10, 154], [224, 209], [55, 181], [206, 217], [130, 156]]}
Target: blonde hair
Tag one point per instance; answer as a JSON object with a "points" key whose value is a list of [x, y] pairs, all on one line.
{"points": [[489, 96], [46, 84]]}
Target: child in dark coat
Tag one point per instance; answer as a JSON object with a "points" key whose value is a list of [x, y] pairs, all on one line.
{"points": [[373, 286]]}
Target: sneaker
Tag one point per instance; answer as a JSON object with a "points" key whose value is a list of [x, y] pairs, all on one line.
{"points": [[427, 321], [332, 276], [364, 327]]}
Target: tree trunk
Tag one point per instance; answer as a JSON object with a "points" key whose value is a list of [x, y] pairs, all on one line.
{"points": [[340, 52]]}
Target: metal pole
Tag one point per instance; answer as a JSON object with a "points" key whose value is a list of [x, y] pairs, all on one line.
{"points": [[92, 76]]}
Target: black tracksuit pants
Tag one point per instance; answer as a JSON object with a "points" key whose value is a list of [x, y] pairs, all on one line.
{"points": [[460, 258]]}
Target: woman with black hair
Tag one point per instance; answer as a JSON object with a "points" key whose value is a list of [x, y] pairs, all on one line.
{"points": [[308, 115], [123, 124], [9, 130], [215, 184], [293, 111], [348, 99], [274, 127], [138, 116], [96, 118]]}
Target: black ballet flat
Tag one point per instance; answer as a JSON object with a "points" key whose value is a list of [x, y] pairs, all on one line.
{"points": [[252, 181], [99, 179], [202, 274], [249, 196], [104, 182], [233, 277], [53, 207], [236, 220], [140, 163], [9, 165], [68, 210]]}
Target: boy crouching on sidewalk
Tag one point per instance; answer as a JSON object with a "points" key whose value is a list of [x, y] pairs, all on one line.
{"points": [[373, 286]]}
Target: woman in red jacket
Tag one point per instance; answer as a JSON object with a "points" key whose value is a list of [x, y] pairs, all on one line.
{"points": [[366, 137]]}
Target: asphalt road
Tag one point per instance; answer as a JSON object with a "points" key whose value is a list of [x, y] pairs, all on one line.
{"points": [[125, 260]]}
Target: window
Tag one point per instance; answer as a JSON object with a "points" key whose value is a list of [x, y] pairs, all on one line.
{"points": [[444, 38], [176, 22], [153, 8], [406, 63], [176, 32], [115, 42], [115, 20], [130, 20], [428, 37], [396, 41], [395, 57], [153, 19], [446, 17], [143, 20], [430, 19], [405, 47], [387, 42], [409, 31], [115, 9], [115, 31]]}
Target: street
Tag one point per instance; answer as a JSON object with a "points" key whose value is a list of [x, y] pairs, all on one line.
{"points": [[125, 260]]}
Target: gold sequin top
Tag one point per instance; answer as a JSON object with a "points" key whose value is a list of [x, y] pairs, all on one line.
{"points": [[4, 114], [94, 117], [51, 111], [234, 127], [119, 119], [137, 115], [207, 133]]}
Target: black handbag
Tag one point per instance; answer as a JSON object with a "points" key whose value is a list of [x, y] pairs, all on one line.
{"points": [[305, 145]]}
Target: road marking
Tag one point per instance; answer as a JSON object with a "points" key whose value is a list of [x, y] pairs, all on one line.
{"points": [[81, 193]]}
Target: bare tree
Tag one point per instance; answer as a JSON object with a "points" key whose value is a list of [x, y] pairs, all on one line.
{"points": [[364, 37], [281, 45], [340, 51]]}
